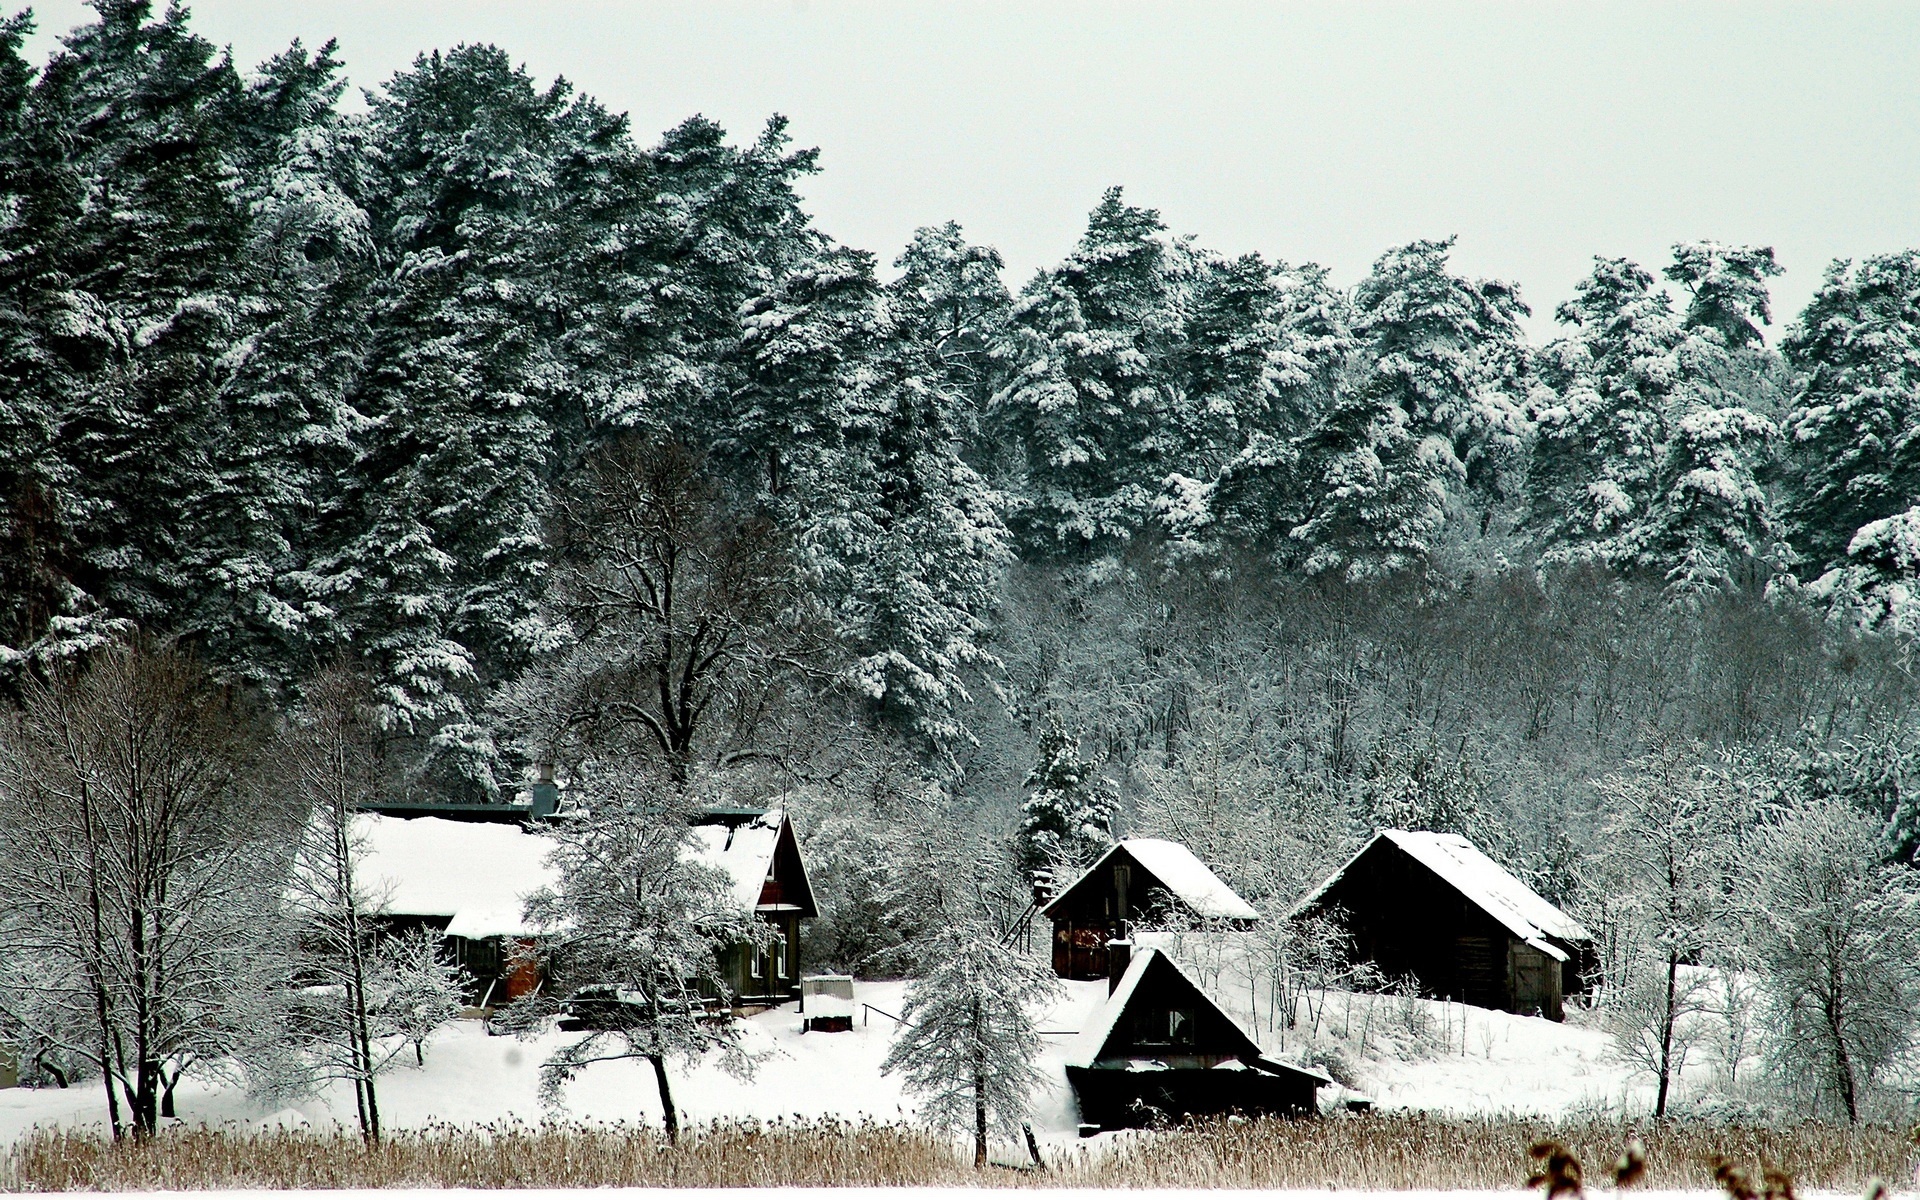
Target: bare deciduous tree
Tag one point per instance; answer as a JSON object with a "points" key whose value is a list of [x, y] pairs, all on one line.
{"points": [[676, 628], [144, 851], [1835, 931]]}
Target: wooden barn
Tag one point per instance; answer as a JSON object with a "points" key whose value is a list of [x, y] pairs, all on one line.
{"points": [[1160, 1050], [1136, 879], [1431, 905], [468, 878]]}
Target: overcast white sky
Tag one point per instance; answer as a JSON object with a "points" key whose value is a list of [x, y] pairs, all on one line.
{"points": [[1540, 133]]}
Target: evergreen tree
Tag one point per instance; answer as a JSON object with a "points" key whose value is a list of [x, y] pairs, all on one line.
{"points": [[123, 264], [1067, 817], [1601, 415], [925, 554], [1428, 412], [1854, 426], [1727, 286], [1273, 353], [971, 1037], [950, 297], [1709, 527], [725, 229], [461, 388], [1084, 399]]}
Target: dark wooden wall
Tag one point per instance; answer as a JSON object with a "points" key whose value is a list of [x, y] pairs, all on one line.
{"points": [[1406, 920]]}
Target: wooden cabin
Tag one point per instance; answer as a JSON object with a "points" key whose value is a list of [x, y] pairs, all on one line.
{"points": [[1160, 1050], [468, 878], [1432, 906], [1137, 879], [465, 878], [759, 852]]}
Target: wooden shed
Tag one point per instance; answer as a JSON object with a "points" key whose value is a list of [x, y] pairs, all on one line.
{"points": [[1432, 906], [1161, 1050], [1136, 879]]}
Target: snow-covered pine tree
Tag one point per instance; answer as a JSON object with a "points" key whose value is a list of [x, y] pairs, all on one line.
{"points": [[462, 390], [1854, 428], [271, 505], [1727, 289], [972, 1035], [1709, 527], [636, 912], [1601, 414], [1084, 398], [949, 297], [130, 302], [724, 228], [1067, 817], [925, 550], [1430, 411], [1272, 351], [44, 616], [1439, 344]]}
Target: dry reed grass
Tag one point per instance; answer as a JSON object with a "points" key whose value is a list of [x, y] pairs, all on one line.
{"points": [[1386, 1151]]}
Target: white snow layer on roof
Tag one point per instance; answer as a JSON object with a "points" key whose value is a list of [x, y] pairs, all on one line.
{"points": [[744, 852], [1526, 914], [1086, 1045], [1188, 878], [478, 874]]}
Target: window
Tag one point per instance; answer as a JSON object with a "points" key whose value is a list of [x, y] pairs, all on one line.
{"points": [[1180, 1027], [778, 952]]}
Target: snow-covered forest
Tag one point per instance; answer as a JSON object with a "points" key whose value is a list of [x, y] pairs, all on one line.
{"points": [[424, 448]]}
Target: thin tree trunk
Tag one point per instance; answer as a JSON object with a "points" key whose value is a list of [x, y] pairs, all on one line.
{"points": [[979, 1092], [97, 968], [668, 1116], [1843, 1064], [166, 1093], [1666, 1035], [360, 1034]]}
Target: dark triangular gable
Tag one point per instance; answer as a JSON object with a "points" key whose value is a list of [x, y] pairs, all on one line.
{"points": [[787, 881], [1153, 987]]}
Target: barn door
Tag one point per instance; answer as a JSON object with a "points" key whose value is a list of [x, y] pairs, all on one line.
{"points": [[1478, 978], [1536, 983]]}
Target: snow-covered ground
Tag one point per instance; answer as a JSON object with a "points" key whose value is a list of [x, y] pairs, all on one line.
{"points": [[1470, 1060]]}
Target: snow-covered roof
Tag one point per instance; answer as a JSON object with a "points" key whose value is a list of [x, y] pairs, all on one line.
{"points": [[744, 851], [477, 874], [1488, 885], [1088, 1043], [1176, 868], [1085, 1049]]}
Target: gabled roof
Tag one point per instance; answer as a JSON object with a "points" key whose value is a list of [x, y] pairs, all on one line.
{"points": [[1175, 868], [745, 850], [1096, 1041], [478, 875], [1488, 885]]}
